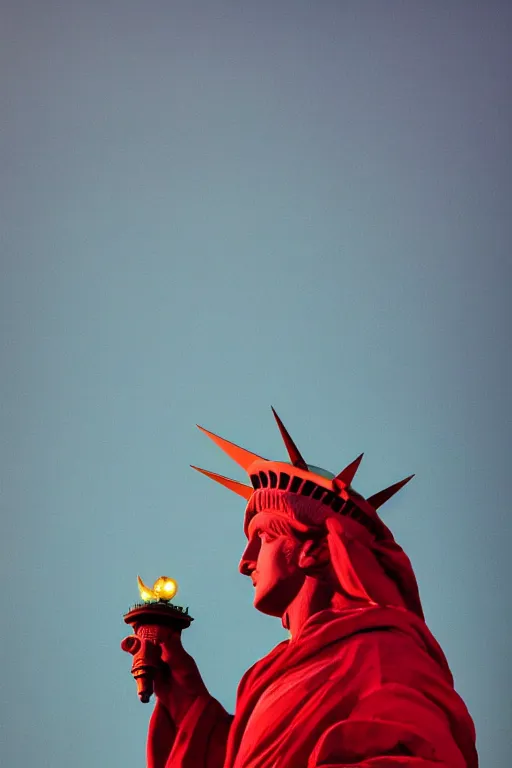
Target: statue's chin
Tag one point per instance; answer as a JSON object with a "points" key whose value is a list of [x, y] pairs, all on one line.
{"points": [[272, 603]]}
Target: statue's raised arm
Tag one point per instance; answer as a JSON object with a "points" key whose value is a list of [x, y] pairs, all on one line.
{"points": [[188, 726]]}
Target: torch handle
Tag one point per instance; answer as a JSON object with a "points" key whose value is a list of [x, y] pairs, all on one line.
{"points": [[144, 646], [152, 624]]}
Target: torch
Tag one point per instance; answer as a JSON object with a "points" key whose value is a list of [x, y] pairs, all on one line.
{"points": [[152, 620]]}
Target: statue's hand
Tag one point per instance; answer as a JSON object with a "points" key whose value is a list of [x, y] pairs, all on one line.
{"points": [[178, 682]]}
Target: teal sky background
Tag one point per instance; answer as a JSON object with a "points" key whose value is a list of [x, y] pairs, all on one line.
{"points": [[208, 208]]}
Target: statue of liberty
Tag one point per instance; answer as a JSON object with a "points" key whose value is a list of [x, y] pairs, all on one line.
{"points": [[361, 681]]}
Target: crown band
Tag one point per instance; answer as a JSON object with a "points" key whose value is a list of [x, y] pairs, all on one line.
{"points": [[288, 483]]}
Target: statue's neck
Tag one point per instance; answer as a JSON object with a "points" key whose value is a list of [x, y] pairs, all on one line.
{"points": [[315, 595]]}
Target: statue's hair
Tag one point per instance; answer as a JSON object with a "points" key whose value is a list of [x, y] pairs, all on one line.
{"points": [[297, 515], [276, 526], [280, 526]]}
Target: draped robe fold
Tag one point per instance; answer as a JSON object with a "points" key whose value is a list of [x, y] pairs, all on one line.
{"points": [[368, 687]]}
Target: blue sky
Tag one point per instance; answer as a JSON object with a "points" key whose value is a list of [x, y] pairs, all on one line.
{"points": [[208, 208]]}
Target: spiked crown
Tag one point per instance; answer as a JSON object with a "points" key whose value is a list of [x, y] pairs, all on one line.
{"points": [[298, 477]]}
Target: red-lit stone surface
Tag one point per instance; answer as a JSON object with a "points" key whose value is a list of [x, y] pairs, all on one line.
{"points": [[362, 681]]}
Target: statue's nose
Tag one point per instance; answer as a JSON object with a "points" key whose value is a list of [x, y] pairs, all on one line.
{"points": [[249, 557], [246, 566]]}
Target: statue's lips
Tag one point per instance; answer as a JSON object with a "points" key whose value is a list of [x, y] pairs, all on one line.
{"points": [[253, 578]]}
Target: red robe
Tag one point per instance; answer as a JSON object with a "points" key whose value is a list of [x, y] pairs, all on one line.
{"points": [[367, 687]]}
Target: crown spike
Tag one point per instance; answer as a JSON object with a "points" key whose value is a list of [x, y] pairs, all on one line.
{"points": [[292, 449], [380, 498], [346, 475], [240, 455], [245, 491]]}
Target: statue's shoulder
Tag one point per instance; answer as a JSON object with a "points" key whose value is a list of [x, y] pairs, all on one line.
{"points": [[395, 642]]}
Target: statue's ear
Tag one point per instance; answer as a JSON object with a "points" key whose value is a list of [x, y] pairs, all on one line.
{"points": [[314, 555]]}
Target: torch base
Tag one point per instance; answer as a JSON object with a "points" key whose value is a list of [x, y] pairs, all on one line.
{"points": [[158, 613]]}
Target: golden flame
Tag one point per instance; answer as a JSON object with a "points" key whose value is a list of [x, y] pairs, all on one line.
{"points": [[164, 588]]}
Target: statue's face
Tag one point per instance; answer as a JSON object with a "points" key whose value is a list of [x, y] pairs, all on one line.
{"points": [[271, 561]]}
